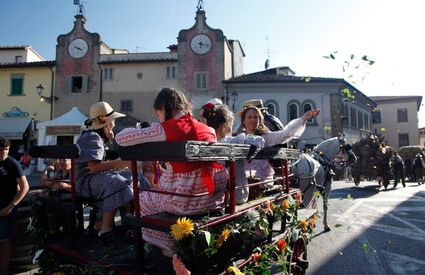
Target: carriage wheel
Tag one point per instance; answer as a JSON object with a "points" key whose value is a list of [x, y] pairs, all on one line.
{"points": [[357, 180], [298, 263]]}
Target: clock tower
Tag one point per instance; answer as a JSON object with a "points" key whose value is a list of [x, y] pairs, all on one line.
{"points": [[201, 60], [77, 77]]}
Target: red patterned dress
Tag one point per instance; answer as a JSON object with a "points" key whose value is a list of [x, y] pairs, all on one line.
{"points": [[179, 177]]}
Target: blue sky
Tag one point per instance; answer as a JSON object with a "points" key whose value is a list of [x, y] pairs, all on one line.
{"points": [[294, 33]]}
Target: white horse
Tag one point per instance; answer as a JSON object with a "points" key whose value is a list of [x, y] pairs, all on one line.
{"points": [[314, 171]]}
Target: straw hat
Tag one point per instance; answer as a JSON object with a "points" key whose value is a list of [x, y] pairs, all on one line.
{"points": [[254, 102], [101, 113]]}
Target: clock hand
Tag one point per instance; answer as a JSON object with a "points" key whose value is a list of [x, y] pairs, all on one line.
{"points": [[78, 48]]}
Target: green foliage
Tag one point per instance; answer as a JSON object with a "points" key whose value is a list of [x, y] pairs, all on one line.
{"points": [[354, 68]]}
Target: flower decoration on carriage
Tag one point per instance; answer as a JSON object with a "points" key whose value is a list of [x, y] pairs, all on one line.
{"points": [[303, 225], [269, 208], [223, 237], [233, 270], [182, 228], [179, 266], [281, 244], [256, 257], [299, 197], [285, 205], [195, 246]]}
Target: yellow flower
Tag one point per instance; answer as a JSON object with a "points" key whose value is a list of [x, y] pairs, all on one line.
{"points": [[314, 218], [182, 228], [234, 270], [223, 237], [303, 225], [312, 223], [285, 205]]}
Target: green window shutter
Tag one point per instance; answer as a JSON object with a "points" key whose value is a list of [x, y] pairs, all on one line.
{"points": [[68, 84], [84, 88], [17, 86]]}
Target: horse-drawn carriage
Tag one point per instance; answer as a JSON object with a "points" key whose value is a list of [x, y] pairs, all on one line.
{"points": [[281, 233], [373, 161], [267, 231]]}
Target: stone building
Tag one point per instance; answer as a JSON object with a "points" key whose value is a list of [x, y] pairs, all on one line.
{"points": [[397, 118]]}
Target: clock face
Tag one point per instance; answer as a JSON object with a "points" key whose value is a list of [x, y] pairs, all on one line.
{"points": [[200, 44], [78, 48]]}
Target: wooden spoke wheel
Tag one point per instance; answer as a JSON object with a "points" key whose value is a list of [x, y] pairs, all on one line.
{"points": [[298, 263]]}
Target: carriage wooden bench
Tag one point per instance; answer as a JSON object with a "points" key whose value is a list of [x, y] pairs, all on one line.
{"points": [[188, 151], [67, 202]]}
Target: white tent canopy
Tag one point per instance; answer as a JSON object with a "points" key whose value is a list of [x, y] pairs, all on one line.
{"points": [[72, 118]]}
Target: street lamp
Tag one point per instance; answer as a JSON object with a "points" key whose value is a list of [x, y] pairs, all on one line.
{"points": [[47, 99]]}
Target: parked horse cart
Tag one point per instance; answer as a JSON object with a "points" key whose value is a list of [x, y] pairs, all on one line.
{"points": [[266, 232], [373, 161]]}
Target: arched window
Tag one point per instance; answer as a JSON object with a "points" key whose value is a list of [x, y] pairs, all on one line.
{"points": [[272, 107], [293, 110], [307, 106]]}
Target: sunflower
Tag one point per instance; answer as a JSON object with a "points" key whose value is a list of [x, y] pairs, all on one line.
{"points": [[234, 270], [223, 237], [182, 228]]}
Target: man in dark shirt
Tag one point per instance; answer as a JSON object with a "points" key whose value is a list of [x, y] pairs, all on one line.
{"points": [[398, 165], [13, 186]]}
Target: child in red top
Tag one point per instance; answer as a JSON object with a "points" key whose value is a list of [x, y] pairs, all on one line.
{"points": [[173, 111]]}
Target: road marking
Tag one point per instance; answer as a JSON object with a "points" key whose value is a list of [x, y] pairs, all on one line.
{"points": [[395, 230], [408, 224]]}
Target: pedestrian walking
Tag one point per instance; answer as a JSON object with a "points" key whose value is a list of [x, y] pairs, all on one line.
{"points": [[418, 166], [398, 166]]}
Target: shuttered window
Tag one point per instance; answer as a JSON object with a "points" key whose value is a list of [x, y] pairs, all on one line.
{"points": [[77, 84], [201, 80], [17, 84]]}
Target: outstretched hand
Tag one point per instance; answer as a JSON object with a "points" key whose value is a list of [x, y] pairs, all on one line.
{"points": [[311, 114]]}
